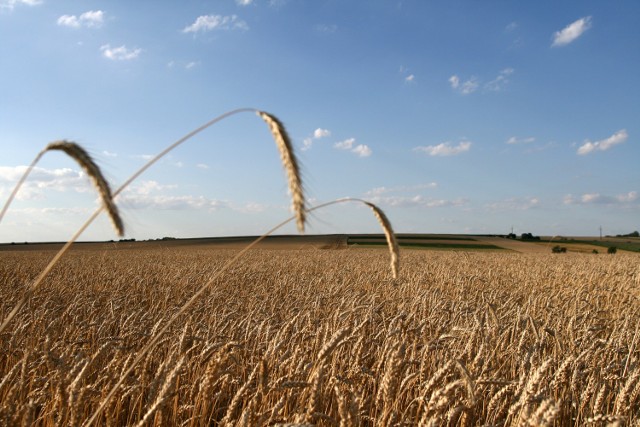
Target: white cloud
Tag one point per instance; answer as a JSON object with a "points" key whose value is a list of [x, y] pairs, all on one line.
{"points": [[379, 191], [109, 154], [416, 201], [307, 143], [147, 187], [500, 81], [326, 28], [165, 202], [511, 27], [466, 87], [445, 149], [120, 53], [202, 166], [604, 144], [571, 32], [145, 195], [347, 144], [515, 140], [321, 133], [631, 196], [599, 199], [90, 19], [10, 4], [514, 204], [206, 23], [191, 64], [244, 2], [410, 78], [40, 179], [362, 150]]}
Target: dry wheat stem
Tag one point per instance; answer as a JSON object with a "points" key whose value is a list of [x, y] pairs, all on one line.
{"points": [[290, 163], [85, 161]]}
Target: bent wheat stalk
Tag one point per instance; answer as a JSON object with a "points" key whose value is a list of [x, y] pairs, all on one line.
{"points": [[85, 161], [287, 155], [395, 267]]}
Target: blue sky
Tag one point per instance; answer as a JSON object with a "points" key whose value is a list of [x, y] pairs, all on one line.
{"points": [[452, 116]]}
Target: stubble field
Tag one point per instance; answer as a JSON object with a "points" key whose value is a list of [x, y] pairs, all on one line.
{"points": [[323, 337]]}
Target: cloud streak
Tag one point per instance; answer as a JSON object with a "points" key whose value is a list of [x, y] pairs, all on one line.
{"points": [[41, 179], [604, 144], [571, 32], [361, 150], [600, 199], [466, 87], [10, 4], [206, 23], [445, 149], [90, 19], [120, 53]]}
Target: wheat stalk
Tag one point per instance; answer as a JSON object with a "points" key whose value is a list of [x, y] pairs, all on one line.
{"points": [[84, 160], [290, 163]]}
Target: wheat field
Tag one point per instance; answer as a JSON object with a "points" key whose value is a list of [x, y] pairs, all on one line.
{"points": [[322, 337]]}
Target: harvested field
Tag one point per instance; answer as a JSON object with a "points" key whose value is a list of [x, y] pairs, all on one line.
{"points": [[324, 338]]}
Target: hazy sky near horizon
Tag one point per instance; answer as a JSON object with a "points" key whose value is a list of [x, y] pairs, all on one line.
{"points": [[452, 116]]}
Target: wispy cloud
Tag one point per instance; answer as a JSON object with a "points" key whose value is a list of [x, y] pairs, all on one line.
{"points": [[361, 150], [466, 87], [600, 199], [10, 4], [191, 64], [90, 19], [571, 32], [604, 144], [207, 23], [120, 53], [244, 2], [143, 156], [416, 201], [473, 83], [109, 154], [326, 28], [514, 204], [202, 166], [152, 195], [511, 27], [516, 140], [410, 78], [500, 81], [40, 179], [445, 149], [379, 191], [319, 133]]}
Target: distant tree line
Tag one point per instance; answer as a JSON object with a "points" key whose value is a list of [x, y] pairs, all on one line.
{"points": [[523, 236]]}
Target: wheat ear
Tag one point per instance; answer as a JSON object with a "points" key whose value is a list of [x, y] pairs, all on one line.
{"points": [[290, 163], [77, 153], [394, 249]]}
